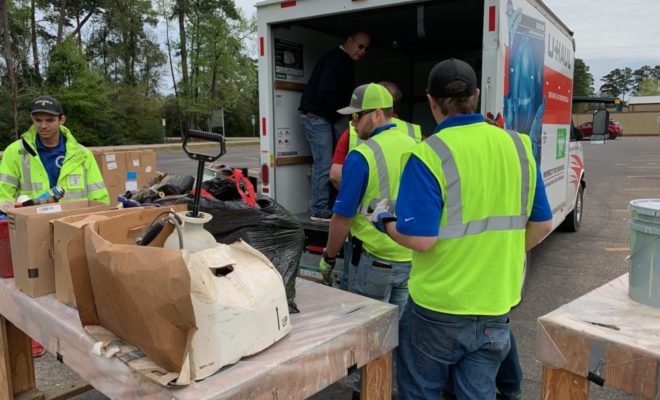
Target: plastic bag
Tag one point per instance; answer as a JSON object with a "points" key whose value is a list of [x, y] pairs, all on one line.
{"points": [[268, 228]]}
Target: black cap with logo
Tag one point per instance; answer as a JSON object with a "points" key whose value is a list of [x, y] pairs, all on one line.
{"points": [[448, 71], [46, 104]]}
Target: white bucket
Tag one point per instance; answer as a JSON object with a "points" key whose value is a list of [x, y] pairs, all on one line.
{"points": [[644, 278]]}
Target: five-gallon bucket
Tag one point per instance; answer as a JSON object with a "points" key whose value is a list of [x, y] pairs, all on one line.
{"points": [[6, 269], [644, 278]]}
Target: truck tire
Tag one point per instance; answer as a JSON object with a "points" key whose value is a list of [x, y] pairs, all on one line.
{"points": [[574, 218]]}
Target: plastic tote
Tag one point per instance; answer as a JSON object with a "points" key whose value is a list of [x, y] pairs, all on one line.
{"points": [[644, 278]]}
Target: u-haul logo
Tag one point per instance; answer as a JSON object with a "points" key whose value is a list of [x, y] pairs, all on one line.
{"points": [[560, 52]]}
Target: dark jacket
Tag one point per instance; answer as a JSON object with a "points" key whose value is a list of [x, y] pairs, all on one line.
{"points": [[330, 86]]}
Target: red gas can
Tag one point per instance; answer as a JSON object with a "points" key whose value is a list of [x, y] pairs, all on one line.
{"points": [[6, 269]]}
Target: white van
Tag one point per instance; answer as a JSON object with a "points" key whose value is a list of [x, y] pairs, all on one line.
{"points": [[522, 53]]}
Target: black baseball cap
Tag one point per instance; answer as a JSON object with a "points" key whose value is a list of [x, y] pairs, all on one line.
{"points": [[448, 71], [46, 104]]}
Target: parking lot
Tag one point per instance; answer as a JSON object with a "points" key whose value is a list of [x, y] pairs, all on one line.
{"points": [[564, 267]]}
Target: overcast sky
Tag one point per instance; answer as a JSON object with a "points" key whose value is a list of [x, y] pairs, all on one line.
{"points": [[608, 34]]}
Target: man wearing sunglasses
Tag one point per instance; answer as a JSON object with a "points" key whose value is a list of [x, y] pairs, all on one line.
{"points": [[370, 174], [348, 141], [328, 89]]}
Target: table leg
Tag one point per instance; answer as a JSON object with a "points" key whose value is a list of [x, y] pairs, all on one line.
{"points": [[376, 382], [16, 366], [560, 384]]}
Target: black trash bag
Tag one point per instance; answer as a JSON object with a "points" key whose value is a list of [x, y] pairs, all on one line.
{"points": [[268, 228]]}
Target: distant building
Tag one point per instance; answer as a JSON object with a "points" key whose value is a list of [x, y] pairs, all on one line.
{"points": [[644, 103]]}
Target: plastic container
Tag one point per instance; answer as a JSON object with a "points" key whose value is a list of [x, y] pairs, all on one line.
{"points": [[644, 278], [6, 267], [195, 237]]}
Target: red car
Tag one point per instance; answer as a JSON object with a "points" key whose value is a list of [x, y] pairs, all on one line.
{"points": [[614, 130]]}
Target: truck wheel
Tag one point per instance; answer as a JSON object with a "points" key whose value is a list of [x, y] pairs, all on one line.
{"points": [[574, 218]]}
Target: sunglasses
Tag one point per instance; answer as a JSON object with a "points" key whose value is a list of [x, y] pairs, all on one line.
{"points": [[358, 115]]}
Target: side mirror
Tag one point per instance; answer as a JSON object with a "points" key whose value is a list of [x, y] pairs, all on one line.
{"points": [[576, 134], [600, 125]]}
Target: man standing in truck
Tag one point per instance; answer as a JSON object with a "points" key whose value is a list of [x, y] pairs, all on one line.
{"points": [[328, 89], [471, 202]]}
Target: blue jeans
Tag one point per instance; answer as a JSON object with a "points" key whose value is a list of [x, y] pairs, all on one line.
{"points": [[508, 380], [385, 281], [430, 342], [509, 376], [319, 134]]}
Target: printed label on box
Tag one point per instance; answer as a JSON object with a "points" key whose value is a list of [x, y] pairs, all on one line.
{"points": [[109, 157], [147, 169], [131, 185], [49, 209], [131, 175], [136, 163], [112, 165]]}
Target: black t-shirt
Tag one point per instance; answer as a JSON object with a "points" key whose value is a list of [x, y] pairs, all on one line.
{"points": [[330, 86]]}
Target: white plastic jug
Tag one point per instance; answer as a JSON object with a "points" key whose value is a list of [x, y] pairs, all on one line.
{"points": [[195, 237]]}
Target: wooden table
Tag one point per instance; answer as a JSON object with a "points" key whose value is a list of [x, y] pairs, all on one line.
{"points": [[335, 332], [603, 337]]}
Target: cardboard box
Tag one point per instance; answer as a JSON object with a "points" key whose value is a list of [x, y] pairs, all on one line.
{"points": [[190, 313], [126, 170], [30, 240], [63, 230]]}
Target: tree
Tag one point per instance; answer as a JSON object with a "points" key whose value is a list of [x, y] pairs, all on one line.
{"points": [[8, 53], [649, 87], [642, 74], [583, 80], [617, 83]]}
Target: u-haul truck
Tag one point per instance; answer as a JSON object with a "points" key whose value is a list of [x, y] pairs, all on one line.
{"points": [[522, 53]]}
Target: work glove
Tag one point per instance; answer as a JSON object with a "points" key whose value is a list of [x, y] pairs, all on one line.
{"points": [[327, 264], [383, 212]]}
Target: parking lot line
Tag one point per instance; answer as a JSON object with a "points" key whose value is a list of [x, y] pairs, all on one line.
{"points": [[617, 249]]}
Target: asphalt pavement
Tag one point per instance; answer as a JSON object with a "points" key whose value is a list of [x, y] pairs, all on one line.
{"points": [[564, 267]]}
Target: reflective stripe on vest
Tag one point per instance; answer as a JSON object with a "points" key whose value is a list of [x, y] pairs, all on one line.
{"points": [[96, 186], [455, 227], [411, 129], [27, 185], [383, 179], [12, 180]]}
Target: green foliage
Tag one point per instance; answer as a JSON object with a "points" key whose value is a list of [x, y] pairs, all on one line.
{"points": [[617, 83], [649, 87], [110, 76], [623, 81], [583, 81], [645, 73]]}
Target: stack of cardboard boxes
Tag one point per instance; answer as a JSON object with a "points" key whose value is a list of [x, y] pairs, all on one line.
{"points": [[126, 170]]}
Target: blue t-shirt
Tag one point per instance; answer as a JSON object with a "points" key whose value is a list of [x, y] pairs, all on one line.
{"points": [[419, 211], [52, 158], [354, 179]]}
